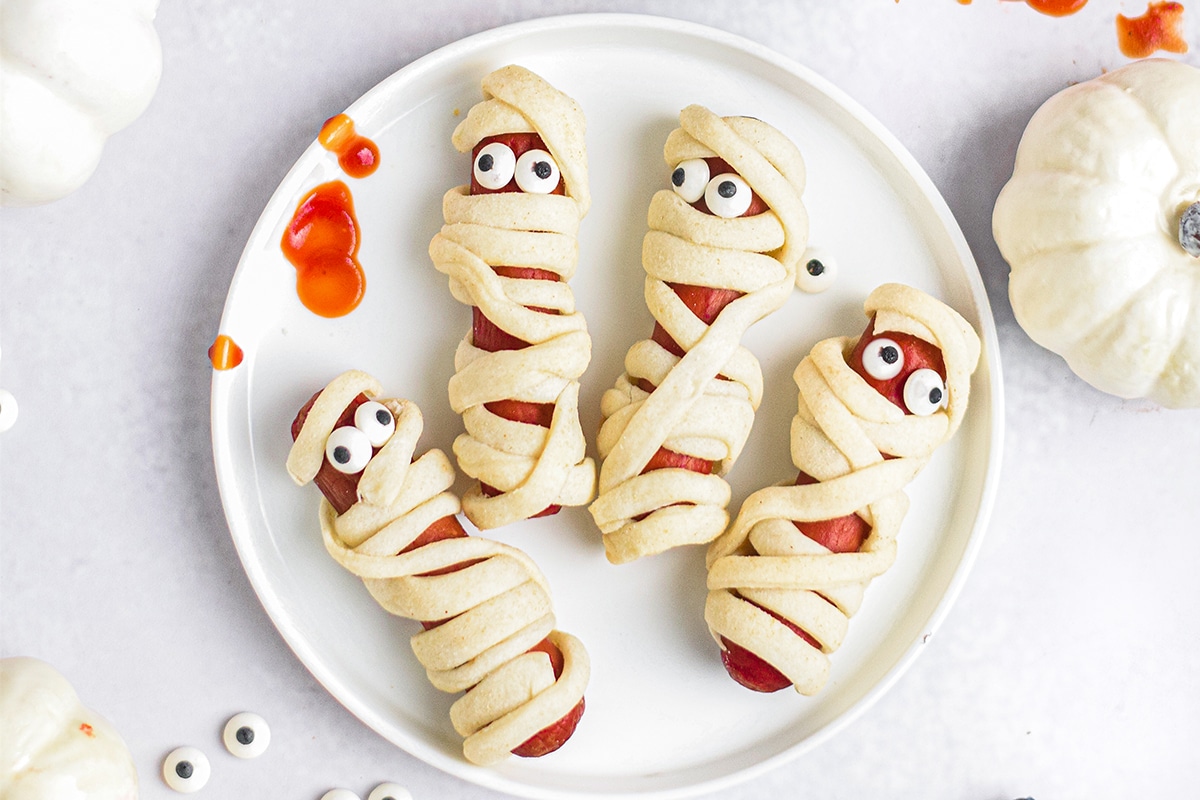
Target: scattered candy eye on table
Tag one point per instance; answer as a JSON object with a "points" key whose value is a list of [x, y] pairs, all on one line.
{"points": [[186, 769], [73, 73], [246, 735]]}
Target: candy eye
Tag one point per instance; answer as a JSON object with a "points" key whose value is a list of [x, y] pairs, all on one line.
{"points": [[348, 449], [186, 770], [536, 172], [690, 178], [924, 392], [817, 272], [389, 791], [494, 165], [728, 195], [246, 735], [375, 421], [883, 359]]}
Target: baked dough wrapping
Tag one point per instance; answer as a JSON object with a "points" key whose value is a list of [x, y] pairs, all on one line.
{"points": [[531, 466], [704, 402], [839, 436], [494, 610]]}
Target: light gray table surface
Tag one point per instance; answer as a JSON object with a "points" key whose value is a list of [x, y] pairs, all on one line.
{"points": [[1066, 669]]}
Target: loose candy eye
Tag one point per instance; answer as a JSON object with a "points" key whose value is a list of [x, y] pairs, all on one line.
{"points": [[494, 165], [339, 794], [690, 178], [246, 735], [924, 392], [375, 421], [883, 359], [728, 195], [348, 449], [186, 770], [536, 172], [389, 791], [817, 272]]}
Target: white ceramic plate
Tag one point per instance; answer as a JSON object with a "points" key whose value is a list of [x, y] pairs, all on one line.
{"points": [[662, 716]]}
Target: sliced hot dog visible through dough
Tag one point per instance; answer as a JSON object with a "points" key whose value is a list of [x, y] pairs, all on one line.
{"points": [[388, 517]]}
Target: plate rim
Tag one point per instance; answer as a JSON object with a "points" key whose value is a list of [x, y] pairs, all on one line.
{"points": [[224, 380]]}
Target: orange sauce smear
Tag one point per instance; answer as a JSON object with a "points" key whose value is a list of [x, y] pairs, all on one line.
{"points": [[321, 242], [357, 155], [1053, 8], [1056, 8], [225, 353], [1160, 28]]}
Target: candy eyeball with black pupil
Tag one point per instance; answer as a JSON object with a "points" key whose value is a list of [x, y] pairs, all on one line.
{"points": [[882, 359], [494, 165], [536, 172], [689, 179], [390, 791], [817, 271], [186, 770], [924, 392], [246, 735], [728, 195], [376, 421], [348, 449]]}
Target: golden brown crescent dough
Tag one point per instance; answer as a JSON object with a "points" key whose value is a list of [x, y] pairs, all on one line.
{"points": [[495, 609], [532, 467], [692, 411], [840, 432]]}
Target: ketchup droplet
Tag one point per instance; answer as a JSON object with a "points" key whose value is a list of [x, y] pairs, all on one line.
{"points": [[1160, 28], [321, 241], [357, 155], [224, 353], [1056, 8]]}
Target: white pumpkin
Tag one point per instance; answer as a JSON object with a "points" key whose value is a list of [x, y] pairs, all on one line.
{"points": [[53, 747], [72, 73], [1100, 224]]}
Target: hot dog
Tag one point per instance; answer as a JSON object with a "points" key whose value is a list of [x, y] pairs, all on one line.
{"points": [[789, 573], [509, 249], [388, 517], [721, 254]]}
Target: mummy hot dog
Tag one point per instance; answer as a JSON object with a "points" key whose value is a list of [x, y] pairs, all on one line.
{"points": [[509, 247], [388, 517], [721, 254], [789, 573]]}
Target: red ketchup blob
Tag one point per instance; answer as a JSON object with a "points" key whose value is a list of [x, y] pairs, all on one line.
{"points": [[357, 155], [341, 490], [487, 335], [1056, 8], [1160, 28], [844, 534], [321, 242], [224, 353]]}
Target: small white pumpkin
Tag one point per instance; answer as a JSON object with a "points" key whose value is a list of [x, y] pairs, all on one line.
{"points": [[72, 73], [53, 747], [1100, 224]]}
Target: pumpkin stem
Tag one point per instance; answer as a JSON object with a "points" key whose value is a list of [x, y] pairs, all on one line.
{"points": [[1189, 229]]}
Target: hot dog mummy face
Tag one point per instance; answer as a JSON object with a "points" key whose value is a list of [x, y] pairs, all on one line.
{"points": [[791, 570], [721, 253], [509, 249], [388, 517]]}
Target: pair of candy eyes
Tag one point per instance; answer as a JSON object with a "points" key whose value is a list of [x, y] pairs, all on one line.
{"points": [[727, 195], [924, 389], [535, 170], [350, 447]]}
